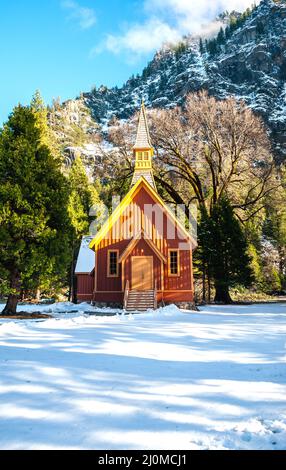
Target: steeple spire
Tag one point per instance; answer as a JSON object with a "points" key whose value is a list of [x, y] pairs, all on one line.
{"points": [[143, 150], [143, 140]]}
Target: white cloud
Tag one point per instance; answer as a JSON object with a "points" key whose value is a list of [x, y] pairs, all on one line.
{"points": [[141, 39], [85, 17], [168, 21]]}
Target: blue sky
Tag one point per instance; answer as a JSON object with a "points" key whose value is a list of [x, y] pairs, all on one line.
{"points": [[63, 47]]}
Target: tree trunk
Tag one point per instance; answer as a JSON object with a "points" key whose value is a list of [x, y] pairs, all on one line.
{"points": [[12, 302], [71, 277], [11, 305], [222, 294], [204, 284], [38, 295], [282, 266], [74, 296], [209, 285]]}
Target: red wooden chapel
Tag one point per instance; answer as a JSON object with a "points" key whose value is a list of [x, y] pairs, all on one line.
{"points": [[142, 255]]}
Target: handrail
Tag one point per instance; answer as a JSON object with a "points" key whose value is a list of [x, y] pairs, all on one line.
{"points": [[126, 295], [155, 296]]}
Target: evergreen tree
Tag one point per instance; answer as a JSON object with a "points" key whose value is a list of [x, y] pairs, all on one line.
{"points": [[81, 185], [163, 82], [34, 221], [152, 90], [221, 37], [260, 28], [256, 265], [202, 48], [41, 113], [275, 229], [283, 70], [180, 49], [212, 47], [82, 197], [227, 32], [233, 24], [224, 250], [202, 254]]}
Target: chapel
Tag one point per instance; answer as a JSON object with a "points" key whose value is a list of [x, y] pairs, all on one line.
{"points": [[142, 256]]}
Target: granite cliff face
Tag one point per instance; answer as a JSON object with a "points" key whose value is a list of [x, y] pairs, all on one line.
{"points": [[250, 64]]}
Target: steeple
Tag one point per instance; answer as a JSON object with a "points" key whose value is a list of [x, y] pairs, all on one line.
{"points": [[143, 140], [143, 151]]}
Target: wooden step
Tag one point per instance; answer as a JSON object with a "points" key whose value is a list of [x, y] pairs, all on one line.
{"points": [[140, 301], [143, 296], [136, 307], [145, 299], [139, 309]]}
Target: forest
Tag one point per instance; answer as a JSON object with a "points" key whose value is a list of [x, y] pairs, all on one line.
{"points": [[214, 156]]}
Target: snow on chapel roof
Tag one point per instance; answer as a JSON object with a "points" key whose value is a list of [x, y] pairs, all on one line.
{"points": [[143, 140], [85, 262]]}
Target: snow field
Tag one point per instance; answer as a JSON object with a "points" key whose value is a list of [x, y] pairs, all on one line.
{"points": [[165, 380]]}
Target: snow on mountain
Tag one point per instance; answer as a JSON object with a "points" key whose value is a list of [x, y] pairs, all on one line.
{"points": [[250, 65]]}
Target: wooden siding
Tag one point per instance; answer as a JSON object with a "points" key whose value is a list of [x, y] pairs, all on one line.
{"points": [[156, 224], [184, 280], [105, 283], [85, 284], [175, 296], [162, 231], [116, 297]]}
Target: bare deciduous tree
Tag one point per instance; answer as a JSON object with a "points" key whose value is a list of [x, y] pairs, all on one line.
{"points": [[218, 148], [207, 152]]}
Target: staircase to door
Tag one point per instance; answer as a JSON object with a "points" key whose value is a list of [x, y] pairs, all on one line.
{"points": [[140, 301], [142, 295]]}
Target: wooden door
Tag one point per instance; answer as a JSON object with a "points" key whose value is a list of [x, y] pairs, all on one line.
{"points": [[142, 273]]}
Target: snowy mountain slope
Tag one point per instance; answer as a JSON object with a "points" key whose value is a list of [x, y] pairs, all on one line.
{"points": [[250, 64]]}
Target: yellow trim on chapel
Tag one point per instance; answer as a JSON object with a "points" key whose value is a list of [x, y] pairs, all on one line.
{"points": [[126, 201], [135, 241]]}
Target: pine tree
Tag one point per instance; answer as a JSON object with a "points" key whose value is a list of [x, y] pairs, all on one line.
{"points": [[255, 265], [283, 70], [221, 37], [233, 24], [80, 184], [225, 250], [40, 111], [34, 221], [202, 48], [41, 114], [212, 47], [227, 32], [274, 228], [260, 28], [83, 196], [202, 254], [163, 82]]}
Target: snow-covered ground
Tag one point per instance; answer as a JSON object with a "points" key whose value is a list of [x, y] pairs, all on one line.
{"points": [[165, 380]]}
